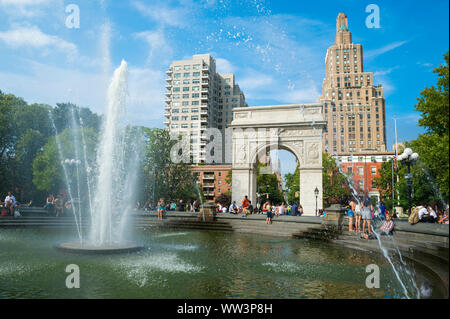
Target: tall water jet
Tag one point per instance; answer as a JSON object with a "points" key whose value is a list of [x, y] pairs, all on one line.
{"points": [[109, 160], [116, 165]]}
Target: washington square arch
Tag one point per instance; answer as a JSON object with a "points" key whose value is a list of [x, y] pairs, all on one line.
{"points": [[296, 128]]}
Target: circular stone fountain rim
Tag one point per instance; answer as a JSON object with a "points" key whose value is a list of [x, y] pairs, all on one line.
{"points": [[75, 247]]}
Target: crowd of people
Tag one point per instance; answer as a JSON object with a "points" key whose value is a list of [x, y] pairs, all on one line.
{"points": [[363, 216], [246, 208], [9, 206]]}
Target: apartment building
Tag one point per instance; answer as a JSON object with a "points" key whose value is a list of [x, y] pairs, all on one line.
{"points": [[198, 98], [363, 168], [352, 105], [213, 180]]}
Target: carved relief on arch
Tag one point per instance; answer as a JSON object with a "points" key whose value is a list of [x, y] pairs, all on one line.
{"points": [[312, 153]]}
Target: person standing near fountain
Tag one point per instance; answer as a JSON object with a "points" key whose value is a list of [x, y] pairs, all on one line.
{"points": [[160, 209], [366, 215], [350, 214], [268, 210], [358, 217]]}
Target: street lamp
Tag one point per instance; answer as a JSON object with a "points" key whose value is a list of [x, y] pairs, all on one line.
{"points": [[408, 158], [316, 192]]}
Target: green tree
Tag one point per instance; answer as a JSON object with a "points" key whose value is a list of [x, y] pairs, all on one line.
{"points": [[433, 146], [162, 178], [422, 189], [292, 185], [268, 183], [48, 172], [334, 183]]}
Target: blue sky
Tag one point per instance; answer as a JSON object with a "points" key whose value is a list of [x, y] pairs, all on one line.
{"points": [[276, 49]]}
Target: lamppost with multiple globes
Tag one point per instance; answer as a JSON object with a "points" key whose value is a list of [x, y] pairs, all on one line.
{"points": [[408, 158]]}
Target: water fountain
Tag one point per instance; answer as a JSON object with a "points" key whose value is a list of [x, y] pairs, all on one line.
{"points": [[113, 188]]}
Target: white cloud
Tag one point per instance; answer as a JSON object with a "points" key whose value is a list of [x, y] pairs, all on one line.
{"points": [[376, 52], [254, 81], [25, 8], [23, 2], [385, 72], [163, 15], [35, 38], [224, 66], [159, 48], [146, 96], [259, 86], [145, 101]]}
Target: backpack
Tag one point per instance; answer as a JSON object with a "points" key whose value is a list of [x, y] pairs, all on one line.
{"points": [[414, 217]]}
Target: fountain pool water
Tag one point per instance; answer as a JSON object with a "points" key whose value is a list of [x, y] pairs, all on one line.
{"points": [[196, 264]]}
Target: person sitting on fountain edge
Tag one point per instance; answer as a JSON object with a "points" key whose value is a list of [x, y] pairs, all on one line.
{"points": [[385, 229]]}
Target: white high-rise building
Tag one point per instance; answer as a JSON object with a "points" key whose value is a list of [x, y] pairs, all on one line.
{"points": [[199, 98]]}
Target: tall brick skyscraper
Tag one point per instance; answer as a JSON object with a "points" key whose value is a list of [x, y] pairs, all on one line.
{"points": [[353, 107]]}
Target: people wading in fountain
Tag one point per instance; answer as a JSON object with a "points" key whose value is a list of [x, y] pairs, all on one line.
{"points": [[350, 214], [358, 217], [366, 216]]}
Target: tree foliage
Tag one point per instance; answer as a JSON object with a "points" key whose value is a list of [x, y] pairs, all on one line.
{"points": [[334, 183], [433, 146], [48, 174], [269, 184], [162, 177], [292, 185], [24, 130]]}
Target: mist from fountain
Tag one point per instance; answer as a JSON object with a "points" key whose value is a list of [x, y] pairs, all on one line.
{"points": [[110, 181], [380, 244]]}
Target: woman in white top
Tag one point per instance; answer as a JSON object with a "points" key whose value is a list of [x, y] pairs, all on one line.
{"points": [[358, 217]]}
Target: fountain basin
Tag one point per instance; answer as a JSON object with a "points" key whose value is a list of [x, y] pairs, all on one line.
{"points": [[76, 247]]}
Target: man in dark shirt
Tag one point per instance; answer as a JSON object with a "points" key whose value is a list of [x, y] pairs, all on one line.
{"points": [[181, 206]]}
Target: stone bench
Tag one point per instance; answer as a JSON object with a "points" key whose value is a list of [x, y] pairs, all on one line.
{"points": [[33, 211]]}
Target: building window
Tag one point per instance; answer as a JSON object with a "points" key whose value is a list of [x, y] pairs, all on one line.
{"points": [[361, 171], [373, 170]]}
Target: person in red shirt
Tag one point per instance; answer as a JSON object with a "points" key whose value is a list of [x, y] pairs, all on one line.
{"points": [[245, 204]]}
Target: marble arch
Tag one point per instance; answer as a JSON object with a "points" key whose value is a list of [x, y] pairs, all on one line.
{"points": [[297, 128]]}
